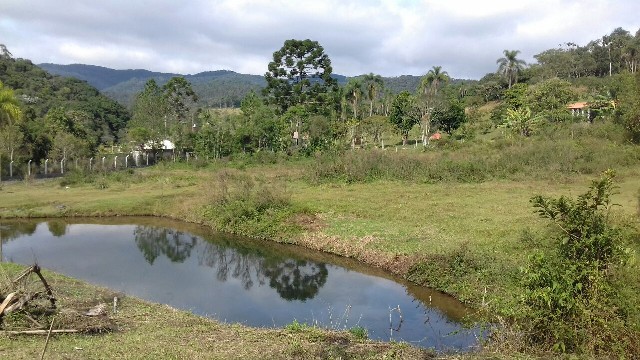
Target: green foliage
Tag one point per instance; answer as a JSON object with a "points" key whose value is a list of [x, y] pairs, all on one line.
{"points": [[404, 114], [550, 154], [516, 96], [521, 121], [82, 111], [296, 326], [628, 113], [445, 271], [510, 66], [241, 204], [359, 333], [300, 74], [572, 296], [550, 99], [450, 117]]}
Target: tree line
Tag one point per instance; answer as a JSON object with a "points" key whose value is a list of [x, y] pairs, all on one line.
{"points": [[302, 108]]}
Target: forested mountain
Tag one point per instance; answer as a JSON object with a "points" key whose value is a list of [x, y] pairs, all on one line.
{"points": [[221, 88], [98, 76], [58, 113]]}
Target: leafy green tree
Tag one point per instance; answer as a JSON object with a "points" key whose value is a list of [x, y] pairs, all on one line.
{"points": [[433, 80], [450, 116], [353, 91], [148, 123], [10, 111], [572, 295], [262, 128], [404, 114], [628, 111], [428, 98], [300, 74], [516, 96], [179, 99], [66, 146], [510, 66], [551, 97], [376, 126]]}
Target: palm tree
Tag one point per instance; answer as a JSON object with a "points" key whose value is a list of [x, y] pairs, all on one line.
{"points": [[429, 85], [353, 92], [433, 79], [373, 84], [510, 66], [10, 112]]}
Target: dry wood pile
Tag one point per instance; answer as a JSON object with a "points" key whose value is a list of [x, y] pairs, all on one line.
{"points": [[28, 306], [20, 295]]}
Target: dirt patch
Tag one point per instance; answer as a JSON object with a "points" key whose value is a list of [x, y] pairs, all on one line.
{"points": [[309, 222], [357, 249]]}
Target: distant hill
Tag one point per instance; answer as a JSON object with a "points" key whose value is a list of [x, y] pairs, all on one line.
{"points": [[99, 77], [220, 88]]}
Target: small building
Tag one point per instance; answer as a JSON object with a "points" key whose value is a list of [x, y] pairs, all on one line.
{"points": [[580, 109], [163, 149]]}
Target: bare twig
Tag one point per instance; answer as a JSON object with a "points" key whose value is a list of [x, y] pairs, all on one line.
{"points": [[46, 343], [39, 332]]}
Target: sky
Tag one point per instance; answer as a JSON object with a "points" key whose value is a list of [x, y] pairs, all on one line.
{"points": [[386, 37]]}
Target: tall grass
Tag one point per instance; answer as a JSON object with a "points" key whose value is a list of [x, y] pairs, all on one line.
{"points": [[242, 204], [551, 155]]}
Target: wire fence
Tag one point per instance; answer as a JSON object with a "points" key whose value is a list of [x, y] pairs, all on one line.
{"points": [[51, 168]]}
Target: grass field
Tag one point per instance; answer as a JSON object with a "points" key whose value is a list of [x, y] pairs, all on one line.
{"points": [[467, 239]]}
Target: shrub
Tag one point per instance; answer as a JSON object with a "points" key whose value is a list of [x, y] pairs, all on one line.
{"points": [[242, 204], [572, 295]]}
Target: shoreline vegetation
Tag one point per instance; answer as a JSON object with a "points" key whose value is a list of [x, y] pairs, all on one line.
{"points": [[468, 239]]}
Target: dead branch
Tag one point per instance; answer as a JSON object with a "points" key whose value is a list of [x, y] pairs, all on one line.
{"points": [[21, 302], [6, 302], [46, 343], [39, 332], [36, 270]]}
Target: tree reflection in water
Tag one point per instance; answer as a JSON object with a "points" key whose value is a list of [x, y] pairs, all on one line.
{"points": [[297, 279], [292, 279], [15, 229], [155, 241]]}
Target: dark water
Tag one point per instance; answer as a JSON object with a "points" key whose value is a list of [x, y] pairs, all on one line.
{"points": [[238, 280]]}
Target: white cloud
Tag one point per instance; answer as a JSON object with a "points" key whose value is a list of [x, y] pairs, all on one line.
{"points": [[390, 37]]}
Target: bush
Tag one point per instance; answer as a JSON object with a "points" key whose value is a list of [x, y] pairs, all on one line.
{"points": [[572, 296], [242, 204]]}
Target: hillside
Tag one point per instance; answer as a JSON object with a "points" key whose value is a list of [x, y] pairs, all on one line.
{"points": [[99, 77], [73, 104], [220, 88]]}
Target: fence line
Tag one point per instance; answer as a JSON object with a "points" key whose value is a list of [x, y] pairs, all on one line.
{"points": [[50, 168]]}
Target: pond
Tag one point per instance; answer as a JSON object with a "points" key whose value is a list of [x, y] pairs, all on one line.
{"points": [[237, 280]]}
